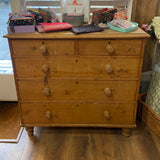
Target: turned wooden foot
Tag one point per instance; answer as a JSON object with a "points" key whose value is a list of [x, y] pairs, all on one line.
{"points": [[126, 132], [30, 131]]}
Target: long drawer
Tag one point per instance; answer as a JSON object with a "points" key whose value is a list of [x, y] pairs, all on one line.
{"points": [[122, 47], [104, 67], [73, 90], [43, 48], [77, 113]]}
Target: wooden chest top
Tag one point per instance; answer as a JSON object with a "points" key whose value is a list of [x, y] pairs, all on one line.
{"points": [[107, 33]]}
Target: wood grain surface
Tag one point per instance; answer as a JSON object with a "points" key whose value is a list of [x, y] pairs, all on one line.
{"points": [[32, 49], [83, 144], [63, 67], [123, 67], [139, 33], [77, 113], [127, 47], [77, 90], [143, 12]]}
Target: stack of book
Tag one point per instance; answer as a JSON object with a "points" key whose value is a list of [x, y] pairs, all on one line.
{"points": [[21, 24]]}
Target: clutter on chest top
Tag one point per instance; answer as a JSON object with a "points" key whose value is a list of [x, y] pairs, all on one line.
{"points": [[46, 20]]}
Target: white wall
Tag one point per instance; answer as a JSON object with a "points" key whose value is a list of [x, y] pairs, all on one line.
{"points": [[7, 88]]}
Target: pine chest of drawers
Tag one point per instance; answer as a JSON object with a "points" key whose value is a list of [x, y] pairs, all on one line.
{"points": [[84, 80]]}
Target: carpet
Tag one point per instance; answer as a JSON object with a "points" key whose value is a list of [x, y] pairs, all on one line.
{"points": [[10, 130]]}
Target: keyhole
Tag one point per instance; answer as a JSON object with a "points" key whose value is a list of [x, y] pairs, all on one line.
{"points": [[109, 42], [42, 42], [77, 105], [76, 82], [76, 60]]}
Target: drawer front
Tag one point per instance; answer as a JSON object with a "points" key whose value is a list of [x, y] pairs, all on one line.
{"points": [[42, 48], [72, 90], [104, 67], [110, 47], [77, 113]]}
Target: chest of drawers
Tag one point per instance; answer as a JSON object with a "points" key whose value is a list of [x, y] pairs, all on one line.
{"points": [[88, 80]]}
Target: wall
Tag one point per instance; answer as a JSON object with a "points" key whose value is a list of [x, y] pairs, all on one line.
{"points": [[142, 12]]}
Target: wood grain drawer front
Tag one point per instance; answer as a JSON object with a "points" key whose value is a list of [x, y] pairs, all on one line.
{"points": [[77, 113], [42, 48], [72, 90], [110, 47], [103, 67]]}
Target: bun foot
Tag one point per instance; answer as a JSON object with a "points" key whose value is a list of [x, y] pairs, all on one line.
{"points": [[126, 132]]}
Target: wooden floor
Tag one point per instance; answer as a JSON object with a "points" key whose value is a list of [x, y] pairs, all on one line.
{"points": [[83, 144]]}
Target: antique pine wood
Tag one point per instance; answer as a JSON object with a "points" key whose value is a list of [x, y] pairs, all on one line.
{"points": [[64, 79], [77, 90], [32, 49], [122, 67], [77, 113], [99, 47]]}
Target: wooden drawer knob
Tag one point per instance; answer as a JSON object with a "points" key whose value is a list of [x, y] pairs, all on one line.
{"points": [[110, 49], [43, 50], [46, 92], [48, 115], [107, 91], [109, 68], [107, 115], [45, 68]]}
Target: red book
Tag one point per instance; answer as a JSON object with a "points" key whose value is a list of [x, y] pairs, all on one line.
{"points": [[48, 27]]}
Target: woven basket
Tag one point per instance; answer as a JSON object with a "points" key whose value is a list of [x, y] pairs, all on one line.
{"points": [[76, 21], [148, 116], [153, 93]]}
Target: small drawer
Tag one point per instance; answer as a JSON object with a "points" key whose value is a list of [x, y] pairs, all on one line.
{"points": [[77, 113], [102, 67], [110, 47], [42, 48], [73, 90]]}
